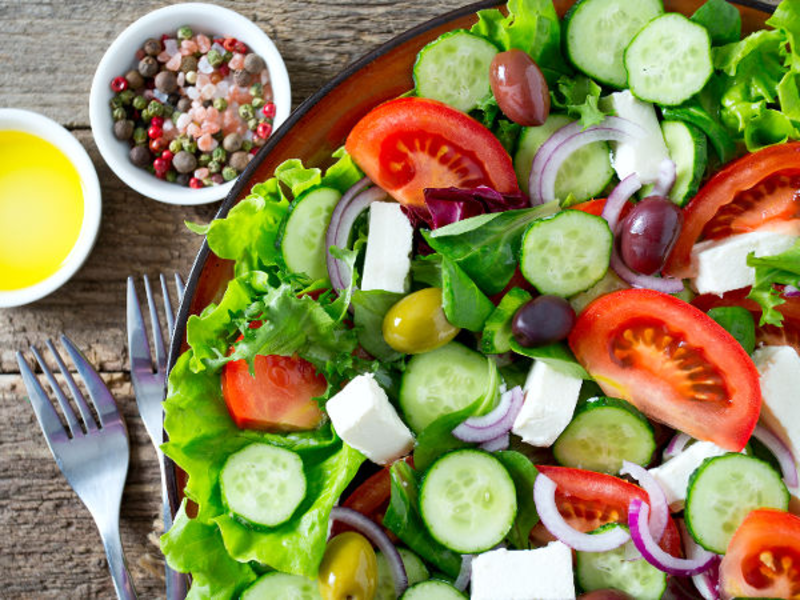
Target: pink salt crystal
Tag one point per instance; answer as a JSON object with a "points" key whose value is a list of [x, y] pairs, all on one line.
{"points": [[201, 173], [188, 47], [236, 63], [198, 113], [170, 132], [203, 43], [202, 80], [203, 66], [174, 63], [193, 130], [148, 94], [219, 48], [212, 114], [222, 89], [211, 127], [206, 143], [264, 77], [171, 46], [181, 78], [183, 122], [208, 91]]}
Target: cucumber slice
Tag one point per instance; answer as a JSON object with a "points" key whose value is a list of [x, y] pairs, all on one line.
{"points": [[415, 570], [282, 586], [610, 282], [723, 491], [584, 175], [496, 338], [468, 501], [566, 253], [615, 570], [597, 32], [432, 590], [669, 61], [454, 69], [444, 381], [262, 485], [303, 240], [603, 433], [688, 148]]}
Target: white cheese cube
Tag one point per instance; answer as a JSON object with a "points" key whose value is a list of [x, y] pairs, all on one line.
{"points": [[550, 399], [387, 261], [721, 265], [543, 574], [364, 418], [673, 476], [779, 367], [643, 155]]}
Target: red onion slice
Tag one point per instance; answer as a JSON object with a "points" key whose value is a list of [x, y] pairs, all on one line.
{"points": [[378, 537], [666, 178], [789, 291], [355, 201], [640, 534], [668, 285], [501, 442], [565, 141], [781, 452], [676, 445], [494, 424], [657, 498], [544, 496], [465, 574], [617, 199], [707, 582]]}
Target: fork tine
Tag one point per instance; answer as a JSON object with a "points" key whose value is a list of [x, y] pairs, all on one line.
{"points": [[98, 392], [45, 413], [138, 346], [167, 306], [180, 287], [158, 339], [83, 407], [72, 421]]}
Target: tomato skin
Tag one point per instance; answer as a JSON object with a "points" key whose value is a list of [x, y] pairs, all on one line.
{"points": [[722, 189], [409, 144], [595, 207], [673, 362], [278, 398], [765, 535], [581, 493]]}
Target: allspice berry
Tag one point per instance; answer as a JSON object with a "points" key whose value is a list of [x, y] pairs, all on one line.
{"points": [[253, 63], [184, 162], [135, 79], [188, 63], [232, 142], [123, 130], [166, 82], [242, 78], [140, 156], [239, 160], [148, 66], [152, 47]]}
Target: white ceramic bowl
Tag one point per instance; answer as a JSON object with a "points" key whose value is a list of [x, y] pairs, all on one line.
{"points": [[35, 124], [211, 20]]}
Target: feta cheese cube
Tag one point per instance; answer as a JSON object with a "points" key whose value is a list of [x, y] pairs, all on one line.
{"points": [[673, 476], [643, 155], [387, 260], [779, 367], [543, 574], [550, 399], [721, 265], [364, 418]]}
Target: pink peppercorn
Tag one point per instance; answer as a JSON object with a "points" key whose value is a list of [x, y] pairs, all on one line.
{"points": [[157, 121], [155, 132], [263, 130], [161, 165], [240, 47], [195, 183], [119, 84], [269, 110], [167, 156], [224, 69], [229, 44], [254, 151]]}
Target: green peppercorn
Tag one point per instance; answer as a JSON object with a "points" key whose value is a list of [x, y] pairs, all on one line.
{"points": [[214, 58], [119, 114], [146, 115], [115, 102], [176, 114], [252, 124], [246, 111], [247, 145], [227, 56], [127, 97], [229, 173], [190, 146], [220, 104], [214, 167], [167, 110], [219, 154], [156, 108], [139, 103], [175, 146], [172, 176], [203, 160], [258, 102], [257, 90], [185, 33], [140, 135]]}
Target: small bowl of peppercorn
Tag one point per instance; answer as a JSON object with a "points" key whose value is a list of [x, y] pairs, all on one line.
{"points": [[184, 98]]}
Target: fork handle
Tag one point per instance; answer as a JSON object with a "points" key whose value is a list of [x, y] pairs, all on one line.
{"points": [[176, 582], [123, 584]]}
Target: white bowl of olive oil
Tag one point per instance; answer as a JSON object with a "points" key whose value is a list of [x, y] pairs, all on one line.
{"points": [[50, 206]]}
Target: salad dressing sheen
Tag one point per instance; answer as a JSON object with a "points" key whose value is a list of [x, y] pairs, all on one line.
{"points": [[41, 209]]}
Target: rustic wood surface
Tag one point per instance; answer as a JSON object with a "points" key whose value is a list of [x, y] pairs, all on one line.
{"points": [[48, 52]]}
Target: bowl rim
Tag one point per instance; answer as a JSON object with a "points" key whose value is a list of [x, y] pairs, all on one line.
{"points": [[133, 35], [179, 331], [33, 123]]}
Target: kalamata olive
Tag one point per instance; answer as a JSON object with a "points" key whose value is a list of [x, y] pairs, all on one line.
{"points": [[417, 323], [605, 595], [543, 320], [520, 88], [648, 233]]}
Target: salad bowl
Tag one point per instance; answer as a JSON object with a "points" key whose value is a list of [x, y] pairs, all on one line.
{"points": [[322, 123]]}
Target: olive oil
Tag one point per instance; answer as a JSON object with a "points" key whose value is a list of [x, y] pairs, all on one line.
{"points": [[41, 209]]}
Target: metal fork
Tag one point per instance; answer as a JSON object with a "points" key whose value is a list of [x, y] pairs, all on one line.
{"points": [[92, 456], [149, 378]]}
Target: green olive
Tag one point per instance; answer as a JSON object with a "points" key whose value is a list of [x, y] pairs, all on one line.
{"points": [[349, 569], [417, 323]]}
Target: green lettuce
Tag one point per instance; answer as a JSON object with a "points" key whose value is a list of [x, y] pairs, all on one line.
{"points": [[778, 270], [722, 21], [579, 96]]}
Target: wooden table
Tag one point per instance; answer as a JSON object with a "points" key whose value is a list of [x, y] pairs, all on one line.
{"points": [[48, 53]]}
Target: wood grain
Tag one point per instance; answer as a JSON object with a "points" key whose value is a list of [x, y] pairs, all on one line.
{"points": [[48, 52]]}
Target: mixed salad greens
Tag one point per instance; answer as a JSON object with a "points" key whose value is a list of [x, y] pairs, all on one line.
{"points": [[534, 329]]}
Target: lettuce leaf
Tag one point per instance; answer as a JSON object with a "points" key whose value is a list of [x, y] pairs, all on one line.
{"points": [[579, 96], [722, 21], [778, 270]]}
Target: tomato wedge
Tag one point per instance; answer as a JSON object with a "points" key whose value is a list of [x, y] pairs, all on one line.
{"points": [[279, 398], [588, 500], [763, 557], [409, 144], [673, 362], [753, 206]]}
